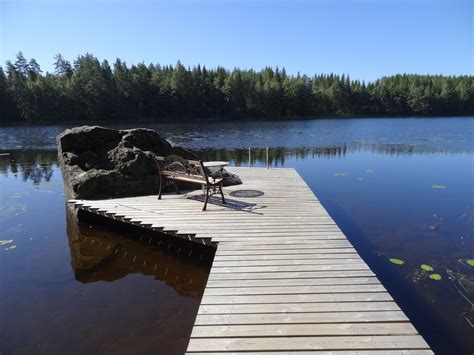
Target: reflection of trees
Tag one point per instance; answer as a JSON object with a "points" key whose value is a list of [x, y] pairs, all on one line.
{"points": [[34, 165], [277, 156], [39, 165], [98, 254]]}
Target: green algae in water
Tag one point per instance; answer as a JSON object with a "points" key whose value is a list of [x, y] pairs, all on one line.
{"points": [[5, 242], [436, 277], [396, 261], [426, 267], [434, 186]]}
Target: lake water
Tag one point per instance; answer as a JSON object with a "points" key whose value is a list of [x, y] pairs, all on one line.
{"points": [[398, 188]]}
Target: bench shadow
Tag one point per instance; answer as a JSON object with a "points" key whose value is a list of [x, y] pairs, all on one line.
{"points": [[231, 204]]}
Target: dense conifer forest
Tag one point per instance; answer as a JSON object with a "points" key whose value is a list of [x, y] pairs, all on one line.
{"points": [[93, 91]]}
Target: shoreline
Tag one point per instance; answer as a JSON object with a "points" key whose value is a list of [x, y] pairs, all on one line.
{"points": [[187, 120]]}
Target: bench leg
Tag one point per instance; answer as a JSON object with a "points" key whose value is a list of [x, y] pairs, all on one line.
{"points": [[161, 186], [207, 198], [222, 194]]}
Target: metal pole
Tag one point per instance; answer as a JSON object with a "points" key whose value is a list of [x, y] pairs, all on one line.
{"points": [[267, 159], [250, 162]]}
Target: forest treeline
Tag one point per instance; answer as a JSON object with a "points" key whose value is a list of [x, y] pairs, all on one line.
{"points": [[90, 90]]}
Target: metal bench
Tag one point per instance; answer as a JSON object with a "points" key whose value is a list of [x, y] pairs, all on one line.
{"points": [[174, 168]]}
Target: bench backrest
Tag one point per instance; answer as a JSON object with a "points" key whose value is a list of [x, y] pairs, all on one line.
{"points": [[175, 166]]}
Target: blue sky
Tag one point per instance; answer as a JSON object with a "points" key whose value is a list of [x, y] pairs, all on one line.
{"points": [[366, 39]]}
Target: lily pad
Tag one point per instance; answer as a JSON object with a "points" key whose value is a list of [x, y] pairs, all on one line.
{"points": [[426, 267], [434, 186], [396, 261], [436, 277], [340, 174], [5, 242]]}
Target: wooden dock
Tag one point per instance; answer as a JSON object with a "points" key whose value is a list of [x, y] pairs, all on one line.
{"points": [[284, 279]]}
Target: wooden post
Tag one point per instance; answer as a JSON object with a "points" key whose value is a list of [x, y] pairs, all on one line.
{"points": [[267, 159], [250, 161]]}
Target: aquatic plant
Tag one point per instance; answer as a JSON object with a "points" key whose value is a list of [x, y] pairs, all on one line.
{"points": [[396, 261], [436, 277], [426, 267]]}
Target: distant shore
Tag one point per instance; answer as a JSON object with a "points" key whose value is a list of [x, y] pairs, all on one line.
{"points": [[187, 120]]}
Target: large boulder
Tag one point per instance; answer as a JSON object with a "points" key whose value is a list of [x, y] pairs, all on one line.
{"points": [[99, 162]]}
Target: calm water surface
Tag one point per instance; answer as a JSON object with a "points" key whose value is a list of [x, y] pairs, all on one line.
{"points": [[398, 188]]}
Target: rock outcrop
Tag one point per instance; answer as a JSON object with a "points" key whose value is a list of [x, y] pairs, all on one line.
{"points": [[99, 162]]}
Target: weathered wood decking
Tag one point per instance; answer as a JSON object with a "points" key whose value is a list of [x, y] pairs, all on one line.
{"points": [[284, 277]]}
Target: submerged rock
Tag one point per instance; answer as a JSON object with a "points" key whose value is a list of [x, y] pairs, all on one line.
{"points": [[99, 162]]}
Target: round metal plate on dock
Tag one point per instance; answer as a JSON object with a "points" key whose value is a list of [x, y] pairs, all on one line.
{"points": [[247, 193]]}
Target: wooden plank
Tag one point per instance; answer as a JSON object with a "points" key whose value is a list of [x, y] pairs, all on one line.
{"points": [[308, 343], [319, 352], [298, 307], [322, 329], [304, 298], [310, 245], [285, 290], [289, 275], [310, 251], [283, 268], [299, 318], [294, 282], [285, 256], [224, 263]]}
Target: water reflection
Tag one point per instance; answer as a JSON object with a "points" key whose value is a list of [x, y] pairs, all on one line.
{"points": [[32, 165], [100, 254], [279, 155], [64, 288]]}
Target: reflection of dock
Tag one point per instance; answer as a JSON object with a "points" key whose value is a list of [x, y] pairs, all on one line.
{"points": [[103, 255], [284, 278]]}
